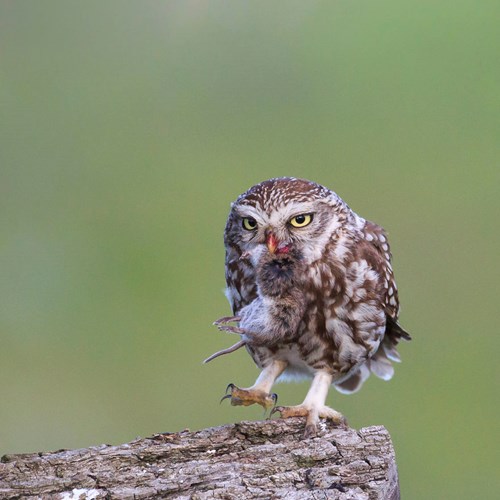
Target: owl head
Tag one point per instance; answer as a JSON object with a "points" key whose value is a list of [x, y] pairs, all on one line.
{"points": [[284, 218]]}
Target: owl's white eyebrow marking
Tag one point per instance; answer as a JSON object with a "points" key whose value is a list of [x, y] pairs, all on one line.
{"points": [[249, 211]]}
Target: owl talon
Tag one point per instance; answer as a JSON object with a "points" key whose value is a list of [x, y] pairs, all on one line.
{"points": [[247, 397], [312, 416], [310, 431], [276, 409]]}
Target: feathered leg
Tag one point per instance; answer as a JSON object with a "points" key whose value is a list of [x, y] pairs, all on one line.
{"points": [[313, 407], [259, 392]]}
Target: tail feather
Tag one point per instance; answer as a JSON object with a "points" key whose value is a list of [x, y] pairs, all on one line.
{"points": [[354, 382], [391, 352], [380, 363], [395, 331]]}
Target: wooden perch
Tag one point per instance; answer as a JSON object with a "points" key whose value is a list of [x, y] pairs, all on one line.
{"points": [[267, 459]]}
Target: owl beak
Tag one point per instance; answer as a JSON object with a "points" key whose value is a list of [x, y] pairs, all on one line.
{"points": [[272, 243]]}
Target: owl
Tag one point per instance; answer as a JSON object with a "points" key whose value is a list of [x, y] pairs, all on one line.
{"points": [[313, 295]]}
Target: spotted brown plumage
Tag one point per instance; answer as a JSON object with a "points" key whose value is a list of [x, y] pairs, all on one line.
{"points": [[312, 287]]}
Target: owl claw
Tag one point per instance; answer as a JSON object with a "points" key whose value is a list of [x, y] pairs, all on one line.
{"points": [[312, 416], [276, 409], [230, 386], [247, 397]]}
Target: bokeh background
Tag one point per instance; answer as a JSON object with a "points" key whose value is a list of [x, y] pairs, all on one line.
{"points": [[128, 127]]}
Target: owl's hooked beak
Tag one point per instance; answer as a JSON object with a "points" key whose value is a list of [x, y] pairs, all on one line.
{"points": [[274, 246], [272, 243]]}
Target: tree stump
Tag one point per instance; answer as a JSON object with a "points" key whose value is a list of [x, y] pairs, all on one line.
{"points": [[266, 459]]}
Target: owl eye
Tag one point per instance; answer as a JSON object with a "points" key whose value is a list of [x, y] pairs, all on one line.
{"points": [[301, 220], [249, 223]]}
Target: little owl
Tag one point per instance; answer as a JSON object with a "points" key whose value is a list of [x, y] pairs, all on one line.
{"points": [[312, 290]]}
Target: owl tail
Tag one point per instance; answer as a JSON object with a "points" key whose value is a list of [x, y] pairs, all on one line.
{"points": [[380, 363], [354, 382]]}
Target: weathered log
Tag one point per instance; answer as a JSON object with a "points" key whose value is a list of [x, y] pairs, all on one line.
{"points": [[267, 459]]}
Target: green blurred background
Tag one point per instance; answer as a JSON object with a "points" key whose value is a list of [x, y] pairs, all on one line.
{"points": [[127, 128]]}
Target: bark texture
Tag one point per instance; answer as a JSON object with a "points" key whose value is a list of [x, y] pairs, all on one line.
{"points": [[267, 459]]}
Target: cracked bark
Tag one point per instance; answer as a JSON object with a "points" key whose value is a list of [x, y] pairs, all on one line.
{"points": [[267, 459]]}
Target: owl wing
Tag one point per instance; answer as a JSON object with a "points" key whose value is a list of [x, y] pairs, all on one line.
{"points": [[240, 279], [393, 331], [381, 262], [374, 249]]}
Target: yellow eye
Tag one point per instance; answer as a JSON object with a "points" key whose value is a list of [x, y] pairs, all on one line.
{"points": [[249, 223], [301, 220]]}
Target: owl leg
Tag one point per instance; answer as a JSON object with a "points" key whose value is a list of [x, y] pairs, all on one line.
{"points": [[313, 407], [259, 392]]}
